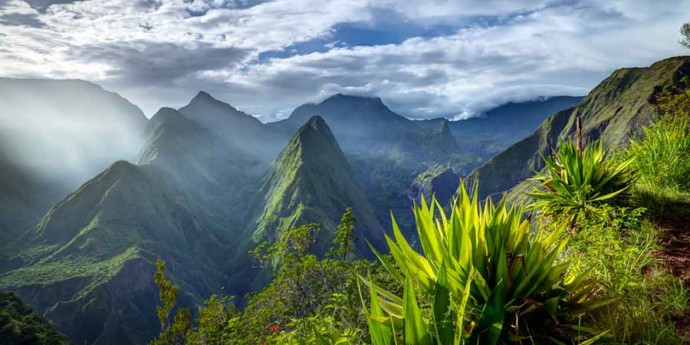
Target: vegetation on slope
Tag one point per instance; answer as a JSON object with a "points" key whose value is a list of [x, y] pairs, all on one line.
{"points": [[19, 324], [482, 274], [309, 298], [312, 181], [85, 265], [615, 110]]}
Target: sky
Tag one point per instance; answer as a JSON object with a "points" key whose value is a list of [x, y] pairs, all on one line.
{"points": [[425, 59]]}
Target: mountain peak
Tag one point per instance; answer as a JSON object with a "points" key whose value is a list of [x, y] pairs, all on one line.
{"points": [[312, 181], [315, 139], [339, 98], [204, 96], [317, 123], [167, 114]]}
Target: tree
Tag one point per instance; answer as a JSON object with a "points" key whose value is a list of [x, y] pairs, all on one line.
{"points": [[176, 332], [344, 238], [685, 33]]}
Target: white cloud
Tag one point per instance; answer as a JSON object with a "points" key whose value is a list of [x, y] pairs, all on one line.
{"points": [[160, 52]]}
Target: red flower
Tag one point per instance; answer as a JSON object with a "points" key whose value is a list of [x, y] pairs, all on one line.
{"points": [[274, 328]]}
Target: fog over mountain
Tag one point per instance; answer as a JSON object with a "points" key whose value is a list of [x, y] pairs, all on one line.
{"points": [[66, 131]]}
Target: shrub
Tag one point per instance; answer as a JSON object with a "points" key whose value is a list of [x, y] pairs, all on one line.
{"points": [[660, 155], [483, 277], [577, 181]]}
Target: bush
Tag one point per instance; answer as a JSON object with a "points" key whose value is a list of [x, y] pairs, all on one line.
{"points": [[483, 277], [661, 154], [579, 182]]}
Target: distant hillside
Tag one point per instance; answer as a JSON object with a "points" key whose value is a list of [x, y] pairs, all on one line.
{"points": [[613, 111], [69, 133], [24, 198], [498, 128], [238, 128], [367, 127]]}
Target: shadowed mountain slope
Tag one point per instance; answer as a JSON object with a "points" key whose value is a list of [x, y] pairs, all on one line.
{"points": [[613, 111]]}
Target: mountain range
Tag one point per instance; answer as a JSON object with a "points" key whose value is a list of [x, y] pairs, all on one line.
{"points": [[207, 182]]}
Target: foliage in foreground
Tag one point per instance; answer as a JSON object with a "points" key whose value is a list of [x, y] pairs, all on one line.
{"points": [[309, 299], [580, 180], [482, 278], [620, 250], [618, 242], [660, 155]]}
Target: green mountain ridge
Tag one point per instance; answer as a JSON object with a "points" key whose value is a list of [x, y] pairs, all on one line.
{"points": [[88, 264], [613, 111], [312, 181], [41, 156]]}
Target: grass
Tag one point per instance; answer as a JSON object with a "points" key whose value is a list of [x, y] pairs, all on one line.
{"points": [[621, 251], [624, 250], [45, 273]]}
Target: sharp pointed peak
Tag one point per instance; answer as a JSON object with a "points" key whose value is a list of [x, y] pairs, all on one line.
{"points": [[203, 94], [314, 127], [316, 135]]}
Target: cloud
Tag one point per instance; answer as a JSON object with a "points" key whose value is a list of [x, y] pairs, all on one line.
{"points": [[425, 59], [141, 63], [42, 5]]}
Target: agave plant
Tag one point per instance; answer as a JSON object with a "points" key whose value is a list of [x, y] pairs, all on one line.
{"points": [[579, 180], [483, 277]]}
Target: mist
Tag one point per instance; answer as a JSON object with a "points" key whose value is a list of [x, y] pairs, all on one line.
{"points": [[66, 131]]}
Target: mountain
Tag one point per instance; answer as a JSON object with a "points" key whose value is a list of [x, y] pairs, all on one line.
{"points": [[386, 150], [312, 181], [88, 264], [24, 198], [196, 201], [439, 181], [236, 127], [19, 324], [69, 133], [613, 111], [365, 126], [497, 129], [55, 134]]}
